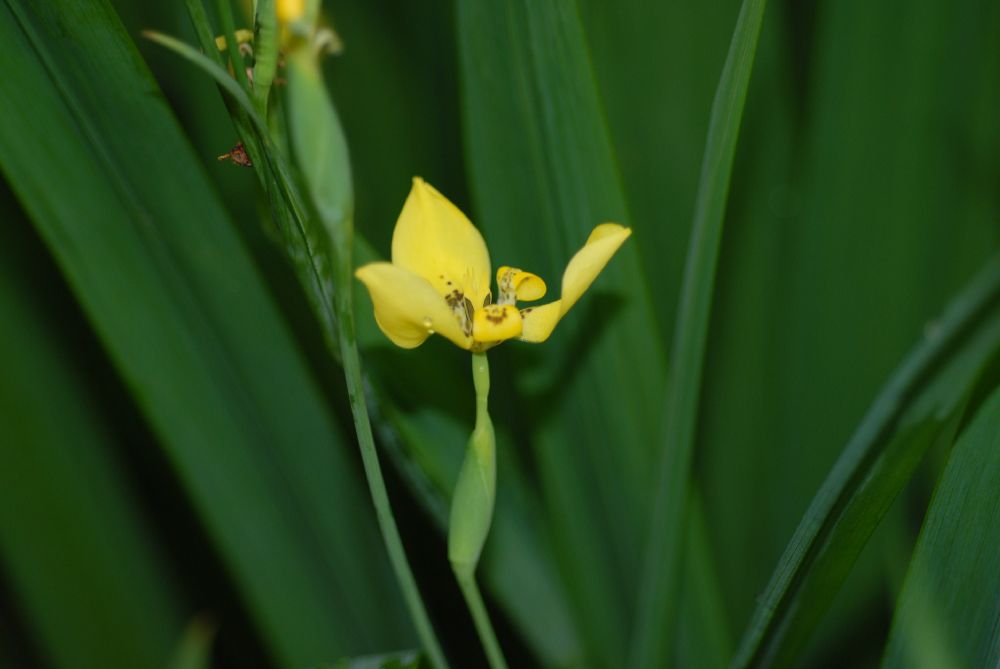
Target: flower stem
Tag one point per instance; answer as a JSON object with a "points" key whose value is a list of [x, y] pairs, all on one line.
{"points": [[481, 382], [318, 140], [380, 500], [467, 582], [472, 510]]}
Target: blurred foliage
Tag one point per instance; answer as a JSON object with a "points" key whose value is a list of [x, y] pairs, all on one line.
{"points": [[175, 438]]}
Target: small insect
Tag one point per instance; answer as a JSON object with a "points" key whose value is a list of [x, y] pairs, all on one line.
{"points": [[237, 155]]}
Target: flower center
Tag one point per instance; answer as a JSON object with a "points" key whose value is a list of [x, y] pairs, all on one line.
{"points": [[491, 323]]}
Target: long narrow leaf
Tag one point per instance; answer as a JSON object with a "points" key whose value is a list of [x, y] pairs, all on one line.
{"points": [[62, 494], [94, 155], [874, 467], [948, 616], [658, 601], [321, 149]]}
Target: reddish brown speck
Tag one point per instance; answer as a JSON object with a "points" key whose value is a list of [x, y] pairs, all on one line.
{"points": [[238, 156]]}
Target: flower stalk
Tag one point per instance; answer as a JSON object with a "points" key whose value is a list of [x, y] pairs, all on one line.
{"points": [[472, 510], [475, 491]]}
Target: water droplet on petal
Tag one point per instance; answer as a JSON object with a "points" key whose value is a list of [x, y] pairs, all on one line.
{"points": [[427, 323]]}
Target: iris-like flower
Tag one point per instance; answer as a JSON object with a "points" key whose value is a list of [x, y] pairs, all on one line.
{"points": [[290, 11], [439, 280]]}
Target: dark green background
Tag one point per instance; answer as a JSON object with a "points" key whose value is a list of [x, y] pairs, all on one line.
{"points": [[866, 191]]}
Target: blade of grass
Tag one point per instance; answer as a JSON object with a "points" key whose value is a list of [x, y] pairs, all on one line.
{"points": [[888, 204], [658, 603], [321, 150], [304, 240], [214, 70], [657, 66], [948, 615], [266, 470], [738, 425], [82, 566], [873, 467], [703, 636], [933, 418], [225, 13]]}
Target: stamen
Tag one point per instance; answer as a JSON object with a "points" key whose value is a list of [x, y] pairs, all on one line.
{"points": [[516, 284], [462, 308], [470, 311], [505, 283]]}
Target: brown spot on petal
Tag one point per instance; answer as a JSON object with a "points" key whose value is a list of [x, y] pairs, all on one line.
{"points": [[495, 315]]}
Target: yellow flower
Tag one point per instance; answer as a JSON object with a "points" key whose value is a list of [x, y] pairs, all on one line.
{"points": [[439, 280], [290, 11]]}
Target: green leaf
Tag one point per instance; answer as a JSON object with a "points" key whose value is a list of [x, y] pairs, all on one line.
{"points": [[702, 634], [267, 34], [740, 424], [322, 155], [948, 615], [194, 651], [657, 66], [846, 233], [659, 604], [214, 70], [924, 401], [100, 165], [881, 215], [82, 567], [543, 175], [409, 659]]}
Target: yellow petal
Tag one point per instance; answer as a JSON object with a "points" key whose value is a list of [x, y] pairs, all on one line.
{"points": [[407, 308], [242, 37], [537, 323], [526, 286], [588, 262], [581, 271], [495, 323], [435, 240], [290, 10]]}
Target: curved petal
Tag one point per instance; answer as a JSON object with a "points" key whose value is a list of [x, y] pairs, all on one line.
{"points": [[516, 284], [435, 240], [537, 323], [407, 308], [588, 262], [495, 323], [581, 271]]}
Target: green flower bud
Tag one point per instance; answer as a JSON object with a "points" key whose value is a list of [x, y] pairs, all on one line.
{"points": [[475, 491]]}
